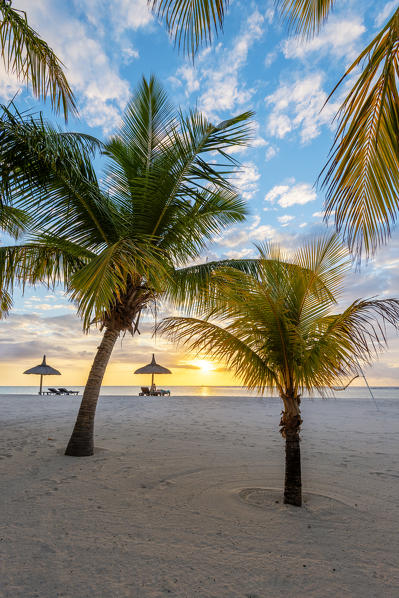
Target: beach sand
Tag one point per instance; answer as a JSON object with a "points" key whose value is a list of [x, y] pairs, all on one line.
{"points": [[184, 498]]}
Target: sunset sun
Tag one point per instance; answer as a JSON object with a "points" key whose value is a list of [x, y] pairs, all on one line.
{"points": [[204, 365]]}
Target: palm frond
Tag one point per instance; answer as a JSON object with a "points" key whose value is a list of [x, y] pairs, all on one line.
{"points": [[188, 226], [159, 169], [45, 260], [13, 221], [342, 342], [42, 261], [189, 171], [50, 175], [206, 338], [32, 60], [5, 303], [305, 17], [324, 264], [30, 148], [192, 287], [362, 175], [101, 283], [272, 328], [191, 23]]}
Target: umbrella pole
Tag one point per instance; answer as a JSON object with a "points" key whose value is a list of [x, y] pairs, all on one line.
{"points": [[152, 380], [41, 384]]}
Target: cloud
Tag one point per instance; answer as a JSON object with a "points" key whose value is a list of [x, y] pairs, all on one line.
{"points": [[284, 220], [129, 53], [246, 180], [300, 105], [270, 152], [289, 195], [9, 84], [386, 12], [85, 51], [339, 37], [121, 15], [190, 77], [270, 58], [275, 192], [246, 234], [218, 70], [234, 254]]}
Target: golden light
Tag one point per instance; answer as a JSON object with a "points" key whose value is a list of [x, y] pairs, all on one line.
{"points": [[204, 365]]}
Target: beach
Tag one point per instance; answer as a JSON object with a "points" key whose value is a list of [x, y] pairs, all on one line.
{"points": [[183, 497]]}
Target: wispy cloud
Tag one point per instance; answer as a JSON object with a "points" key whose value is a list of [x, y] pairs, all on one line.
{"points": [[246, 180], [224, 89], [339, 37], [386, 12], [217, 71], [92, 70], [299, 105], [120, 14], [286, 219], [291, 194]]}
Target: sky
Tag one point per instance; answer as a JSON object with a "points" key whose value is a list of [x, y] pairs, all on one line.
{"points": [[106, 46]]}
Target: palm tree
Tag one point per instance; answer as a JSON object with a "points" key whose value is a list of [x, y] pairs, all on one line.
{"points": [[116, 246], [361, 177], [32, 60], [280, 332]]}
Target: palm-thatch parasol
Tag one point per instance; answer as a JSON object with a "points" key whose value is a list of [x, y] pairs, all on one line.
{"points": [[43, 370], [153, 368]]}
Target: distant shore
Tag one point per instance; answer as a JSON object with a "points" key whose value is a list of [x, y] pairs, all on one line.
{"points": [[183, 497]]}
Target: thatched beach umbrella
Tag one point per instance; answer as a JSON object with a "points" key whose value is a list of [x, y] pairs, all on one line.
{"points": [[43, 370], [153, 368]]}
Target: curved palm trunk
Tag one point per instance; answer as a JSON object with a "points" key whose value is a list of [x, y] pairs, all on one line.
{"points": [[290, 426], [81, 443]]}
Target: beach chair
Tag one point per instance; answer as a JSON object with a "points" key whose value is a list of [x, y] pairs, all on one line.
{"points": [[164, 392], [65, 391], [145, 392], [53, 391]]}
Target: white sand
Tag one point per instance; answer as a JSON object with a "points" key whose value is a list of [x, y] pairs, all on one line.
{"points": [[157, 510]]}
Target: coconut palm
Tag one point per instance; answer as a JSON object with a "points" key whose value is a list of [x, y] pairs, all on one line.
{"points": [[32, 60], [115, 245], [361, 177], [277, 329]]}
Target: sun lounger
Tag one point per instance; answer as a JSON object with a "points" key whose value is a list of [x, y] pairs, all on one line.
{"points": [[159, 392], [52, 391], [65, 391]]}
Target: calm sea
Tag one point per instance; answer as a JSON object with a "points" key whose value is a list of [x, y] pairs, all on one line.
{"points": [[355, 392]]}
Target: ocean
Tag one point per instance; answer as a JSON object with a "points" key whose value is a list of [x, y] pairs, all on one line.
{"points": [[354, 392]]}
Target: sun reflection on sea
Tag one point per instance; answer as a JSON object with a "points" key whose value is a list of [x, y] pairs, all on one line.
{"points": [[205, 391]]}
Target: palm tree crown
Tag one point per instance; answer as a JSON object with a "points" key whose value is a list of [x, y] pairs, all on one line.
{"points": [[280, 331], [162, 202]]}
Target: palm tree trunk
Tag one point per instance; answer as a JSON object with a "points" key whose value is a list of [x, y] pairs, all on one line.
{"points": [[290, 426], [293, 479], [81, 443]]}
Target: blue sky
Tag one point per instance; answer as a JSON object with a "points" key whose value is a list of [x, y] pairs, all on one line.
{"points": [[107, 46]]}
